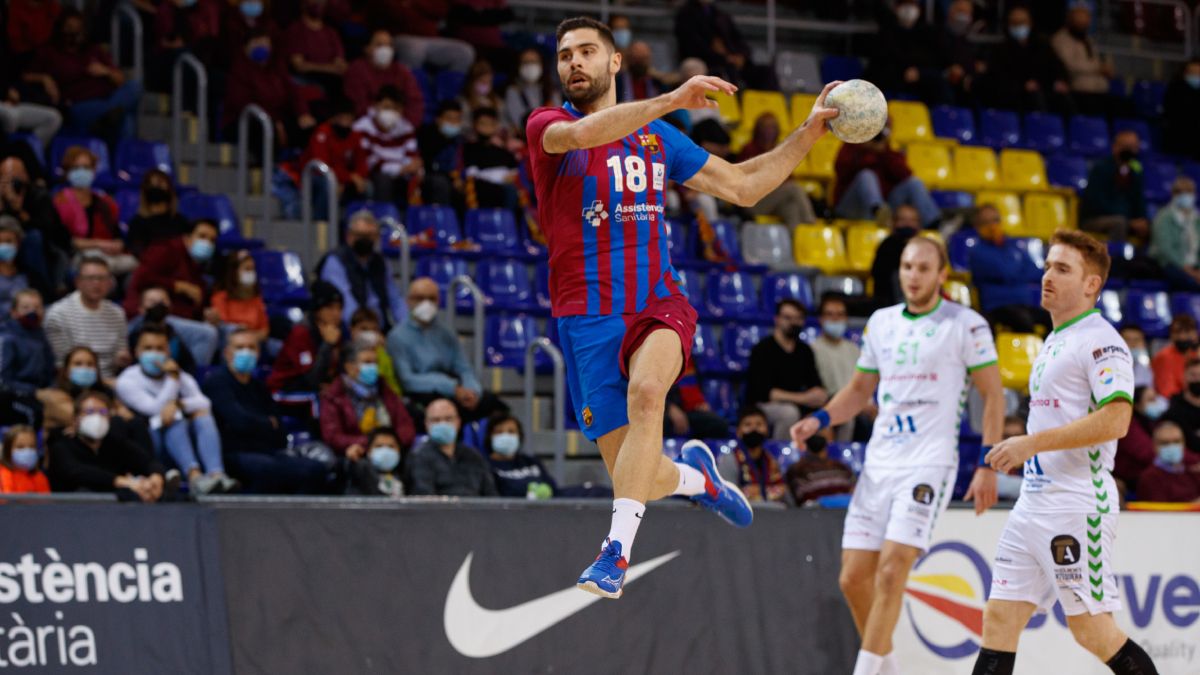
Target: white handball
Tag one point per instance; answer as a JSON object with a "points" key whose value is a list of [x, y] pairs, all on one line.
{"points": [[862, 111]]}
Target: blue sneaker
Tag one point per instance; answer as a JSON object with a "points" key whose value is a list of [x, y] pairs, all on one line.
{"points": [[606, 576], [720, 496]]}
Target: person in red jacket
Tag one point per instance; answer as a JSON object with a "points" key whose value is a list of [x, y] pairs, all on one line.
{"points": [[260, 79], [377, 68], [355, 404], [343, 149], [311, 355], [30, 24], [871, 176], [177, 265]]}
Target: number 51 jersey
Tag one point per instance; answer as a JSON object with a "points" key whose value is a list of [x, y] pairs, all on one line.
{"points": [[924, 363]]}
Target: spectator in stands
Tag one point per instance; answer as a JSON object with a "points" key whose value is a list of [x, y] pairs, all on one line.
{"points": [[1175, 239], [1167, 479], [365, 327], [1024, 72], [1135, 450], [758, 472], [257, 78], [87, 318], [11, 278], [637, 79], [1181, 109], [379, 475], [622, 31], [155, 308], [356, 403], [534, 86], [30, 26], [1004, 273], [885, 269], [98, 461], [478, 91], [184, 26], [344, 150], [178, 413], [389, 145], [688, 414], [252, 435], [516, 473], [782, 378], [489, 165], [441, 151], [905, 57], [429, 359], [836, 356], [1114, 202], [21, 462], [80, 76], [959, 55], [311, 354], [80, 372], [90, 215], [242, 19], [788, 202], [1185, 406], [158, 216], [1089, 73], [478, 22], [442, 465], [238, 300], [358, 270], [1135, 339], [704, 31], [27, 361], [871, 176], [378, 68], [419, 44], [314, 49], [817, 475], [1169, 363], [18, 114], [46, 243]]}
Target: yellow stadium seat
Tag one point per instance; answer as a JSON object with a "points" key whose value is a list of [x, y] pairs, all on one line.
{"points": [[1044, 213], [861, 242], [738, 138], [931, 163], [1022, 170], [819, 246], [802, 105], [818, 163], [975, 168], [1009, 205], [1016, 353], [755, 103], [934, 235], [959, 292], [844, 224], [727, 106], [910, 121]]}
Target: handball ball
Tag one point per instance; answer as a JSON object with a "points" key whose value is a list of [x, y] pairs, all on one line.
{"points": [[862, 111]]}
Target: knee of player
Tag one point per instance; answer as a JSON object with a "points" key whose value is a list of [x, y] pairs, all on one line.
{"points": [[854, 579], [892, 573], [1095, 635], [647, 395]]}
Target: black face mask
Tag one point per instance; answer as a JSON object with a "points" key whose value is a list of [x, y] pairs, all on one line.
{"points": [[1183, 346], [339, 130], [157, 195], [29, 321], [156, 313], [753, 439], [638, 70], [793, 331], [362, 247], [1126, 156], [1194, 388]]}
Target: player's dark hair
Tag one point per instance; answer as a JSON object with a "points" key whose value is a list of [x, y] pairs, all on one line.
{"points": [[751, 411], [1095, 254], [830, 297], [581, 22], [793, 303]]}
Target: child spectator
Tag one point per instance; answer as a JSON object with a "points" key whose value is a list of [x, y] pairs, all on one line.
{"points": [[27, 360], [517, 474], [379, 475], [391, 145], [354, 404], [490, 164], [21, 462], [11, 279], [90, 215], [378, 68], [311, 354], [441, 146], [365, 327], [238, 300], [95, 460], [158, 214]]}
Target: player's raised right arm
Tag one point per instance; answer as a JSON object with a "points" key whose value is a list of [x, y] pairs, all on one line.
{"points": [[617, 122], [841, 408]]}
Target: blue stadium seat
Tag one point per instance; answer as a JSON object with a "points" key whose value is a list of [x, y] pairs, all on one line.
{"points": [[780, 285], [721, 397], [999, 128], [508, 336], [1186, 303], [954, 122], [197, 205], [959, 246], [677, 242], [127, 203], [851, 454], [1158, 177], [1044, 132], [835, 67], [1088, 136], [705, 349], [737, 340], [35, 146], [672, 447], [1150, 310], [1140, 127], [1067, 171], [952, 199], [383, 211], [58, 148], [726, 235], [731, 295], [1191, 169], [541, 287], [783, 451], [495, 230], [1110, 306], [505, 282], [1148, 98], [443, 269], [439, 222], [427, 93], [281, 277], [136, 157], [447, 85]]}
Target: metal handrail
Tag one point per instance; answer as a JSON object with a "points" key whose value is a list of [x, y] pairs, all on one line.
{"points": [[452, 312], [399, 239], [243, 160], [331, 214], [560, 428], [125, 9], [1190, 30], [201, 72]]}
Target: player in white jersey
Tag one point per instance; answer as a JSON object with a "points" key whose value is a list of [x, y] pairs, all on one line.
{"points": [[921, 355], [1058, 541]]}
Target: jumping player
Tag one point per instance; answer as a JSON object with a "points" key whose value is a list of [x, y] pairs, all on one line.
{"points": [[921, 355], [1058, 541], [625, 325]]}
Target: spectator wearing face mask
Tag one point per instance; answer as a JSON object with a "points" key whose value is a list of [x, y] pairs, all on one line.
{"points": [[1088, 70], [789, 202], [1181, 109], [1114, 202], [240, 20], [27, 360], [311, 355], [782, 378], [393, 160], [11, 278], [1024, 72], [490, 166], [358, 270], [1004, 274], [1175, 238], [622, 31], [155, 308], [378, 68], [1135, 451], [442, 465], [257, 78], [441, 146], [355, 403], [365, 328], [872, 176], [1135, 339], [906, 55], [534, 87], [836, 357], [80, 372], [158, 214], [1169, 363], [959, 55], [238, 299], [379, 473], [91, 216], [637, 80], [757, 471], [47, 244], [343, 149], [477, 91], [817, 475], [1185, 406], [21, 462], [1168, 479], [95, 460], [516, 473]]}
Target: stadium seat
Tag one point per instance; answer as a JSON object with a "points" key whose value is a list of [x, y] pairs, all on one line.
{"points": [[726, 235], [819, 246], [1009, 204], [508, 336], [58, 148], [136, 157], [769, 245], [821, 158], [1015, 354], [281, 277], [1158, 177], [438, 223], [1044, 132], [737, 340], [1044, 213], [219, 208], [1067, 172], [35, 146], [383, 211], [910, 121], [838, 283], [802, 104], [797, 71], [952, 199], [443, 270], [505, 282], [1186, 303], [128, 201], [427, 93], [677, 243], [727, 106], [1150, 310], [1110, 306], [959, 246], [954, 122], [780, 286], [1022, 170], [447, 85], [731, 295], [495, 230], [706, 351], [720, 396], [959, 292], [1034, 248], [843, 68], [975, 168], [756, 102], [1088, 135], [931, 163], [999, 128], [1139, 127], [541, 288], [1148, 98], [861, 242]]}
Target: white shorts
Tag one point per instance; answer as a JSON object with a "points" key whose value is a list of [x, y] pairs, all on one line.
{"points": [[1043, 557], [900, 505]]}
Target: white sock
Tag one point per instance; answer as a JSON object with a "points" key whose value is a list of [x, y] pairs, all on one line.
{"points": [[627, 515], [868, 663], [691, 481], [891, 665]]}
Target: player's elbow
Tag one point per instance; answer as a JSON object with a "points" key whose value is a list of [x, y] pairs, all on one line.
{"points": [[744, 193]]}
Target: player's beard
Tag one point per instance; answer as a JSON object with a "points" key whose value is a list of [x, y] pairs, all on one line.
{"points": [[923, 299], [597, 88]]}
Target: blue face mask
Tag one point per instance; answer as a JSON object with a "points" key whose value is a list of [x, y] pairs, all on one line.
{"points": [[834, 329], [201, 249], [83, 376], [8, 252], [385, 458], [1156, 408], [81, 177], [368, 374], [506, 444], [252, 9], [25, 458], [260, 54], [622, 37], [450, 130], [443, 433], [1185, 201], [1170, 454], [151, 362], [244, 361], [1192, 80], [1019, 33]]}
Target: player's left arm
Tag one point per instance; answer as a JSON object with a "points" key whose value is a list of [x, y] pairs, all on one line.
{"points": [[983, 489], [1110, 422], [746, 183]]}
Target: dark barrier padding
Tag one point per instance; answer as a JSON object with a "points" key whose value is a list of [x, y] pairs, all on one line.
{"points": [[364, 590], [108, 588]]}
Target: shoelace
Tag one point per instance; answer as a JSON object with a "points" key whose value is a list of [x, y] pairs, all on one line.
{"points": [[607, 562]]}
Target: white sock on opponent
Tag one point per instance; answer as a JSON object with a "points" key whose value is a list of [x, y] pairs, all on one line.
{"points": [[691, 481], [868, 663], [891, 665], [627, 515]]}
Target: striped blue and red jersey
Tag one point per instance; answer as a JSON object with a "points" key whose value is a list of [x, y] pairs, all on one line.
{"points": [[602, 210]]}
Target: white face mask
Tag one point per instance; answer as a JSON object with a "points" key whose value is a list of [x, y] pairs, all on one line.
{"points": [[908, 14], [247, 277], [94, 426], [386, 119], [370, 337], [425, 311], [383, 55], [531, 72]]}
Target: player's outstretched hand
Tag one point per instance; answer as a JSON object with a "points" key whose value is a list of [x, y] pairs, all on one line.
{"points": [[804, 429], [1011, 453], [982, 490], [821, 112], [691, 94]]}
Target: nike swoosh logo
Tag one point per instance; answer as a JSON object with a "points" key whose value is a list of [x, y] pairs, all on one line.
{"points": [[479, 633]]}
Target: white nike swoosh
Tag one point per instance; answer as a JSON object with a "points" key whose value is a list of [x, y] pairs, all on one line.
{"points": [[480, 633]]}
